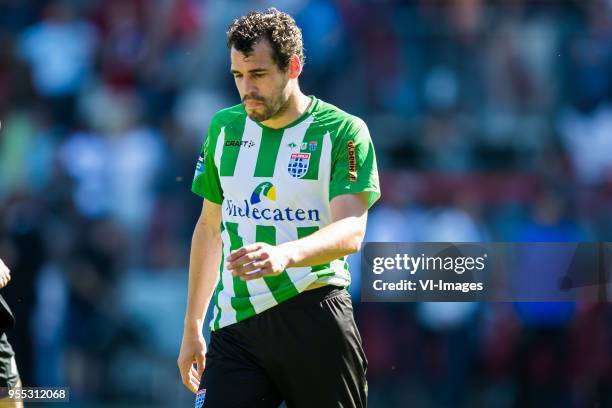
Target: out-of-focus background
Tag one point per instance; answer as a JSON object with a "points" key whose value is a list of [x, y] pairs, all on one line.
{"points": [[492, 121]]}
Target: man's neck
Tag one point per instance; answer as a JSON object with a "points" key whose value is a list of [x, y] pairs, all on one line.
{"points": [[297, 104]]}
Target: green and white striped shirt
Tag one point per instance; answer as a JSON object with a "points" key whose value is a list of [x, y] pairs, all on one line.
{"points": [[274, 186]]}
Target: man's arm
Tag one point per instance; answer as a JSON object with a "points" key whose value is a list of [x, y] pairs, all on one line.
{"points": [[342, 237], [203, 274]]}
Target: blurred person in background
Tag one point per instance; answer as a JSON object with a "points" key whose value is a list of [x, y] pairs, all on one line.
{"points": [[9, 376], [60, 52], [544, 345], [448, 342], [283, 326]]}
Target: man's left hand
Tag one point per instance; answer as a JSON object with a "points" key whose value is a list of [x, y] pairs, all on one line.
{"points": [[257, 260]]}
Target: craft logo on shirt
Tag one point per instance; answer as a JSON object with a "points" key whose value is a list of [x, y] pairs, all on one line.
{"points": [[352, 162], [199, 401], [298, 164], [239, 143]]}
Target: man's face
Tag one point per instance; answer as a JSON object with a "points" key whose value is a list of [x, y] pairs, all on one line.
{"points": [[261, 84]]}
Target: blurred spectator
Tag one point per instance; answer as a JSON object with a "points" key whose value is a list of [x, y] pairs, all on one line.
{"points": [[85, 157], [586, 139], [60, 50]]}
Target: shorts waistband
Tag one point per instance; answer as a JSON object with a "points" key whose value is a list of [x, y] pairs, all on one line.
{"points": [[313, 296]]}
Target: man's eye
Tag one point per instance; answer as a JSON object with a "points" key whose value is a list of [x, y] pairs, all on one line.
{"points": [[237, 75], [257, 75]]}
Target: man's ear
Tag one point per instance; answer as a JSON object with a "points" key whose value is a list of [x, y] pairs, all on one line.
{"points": [[295, 67]]}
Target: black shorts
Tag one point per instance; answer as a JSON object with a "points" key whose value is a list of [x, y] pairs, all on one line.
{"points": [[9, 377], [305, 351]]}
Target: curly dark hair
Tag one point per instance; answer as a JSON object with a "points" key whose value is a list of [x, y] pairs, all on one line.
{"points": [[277, 27]]}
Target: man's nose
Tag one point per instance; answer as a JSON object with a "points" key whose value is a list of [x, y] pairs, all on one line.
{"points": [[249, 87]]}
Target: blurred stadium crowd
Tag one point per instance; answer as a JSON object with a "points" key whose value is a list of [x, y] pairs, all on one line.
{"points": [[492, 121]]}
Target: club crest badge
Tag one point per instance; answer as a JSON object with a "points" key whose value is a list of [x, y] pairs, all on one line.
{"points": [[298, 164]]}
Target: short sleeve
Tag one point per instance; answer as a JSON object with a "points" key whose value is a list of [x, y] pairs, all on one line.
{"points": [[354, 163], [206, 182]]}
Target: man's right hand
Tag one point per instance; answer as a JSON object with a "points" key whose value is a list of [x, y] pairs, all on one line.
{"points": [[193, 350], [5, 274]]}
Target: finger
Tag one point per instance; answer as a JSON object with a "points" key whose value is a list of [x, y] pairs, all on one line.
{"points": [[243, 270], [184, 364], [235, 254], [251, 268], [242, 251], [185, 367], [190, 380], [245, 259], [193, 378], [193, 387], [183, 373], [194, 383], [257, 274], [193, 372], [252, 276]]}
